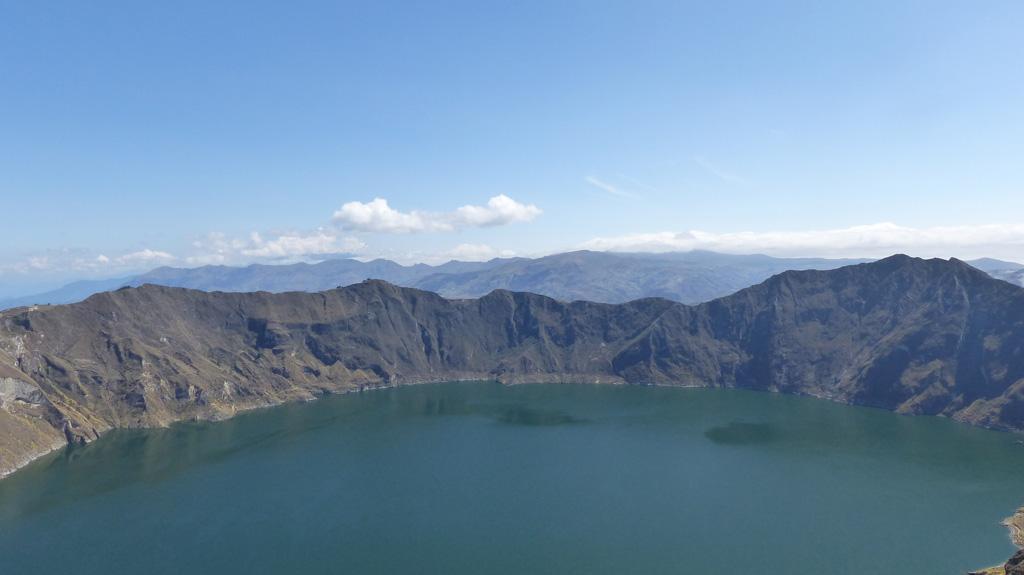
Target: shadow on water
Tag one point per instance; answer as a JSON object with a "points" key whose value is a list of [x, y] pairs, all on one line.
{"points": [[743, 433], [806, 428], [511, 413], [521, 415]]}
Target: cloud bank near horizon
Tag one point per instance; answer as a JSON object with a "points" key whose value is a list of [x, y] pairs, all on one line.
{"points": [[217, 248], [1001, 241]]}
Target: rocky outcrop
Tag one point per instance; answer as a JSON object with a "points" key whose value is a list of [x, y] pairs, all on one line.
{"points": [[1015, 565], [918, 337], [1015, 523], [15, 391]]}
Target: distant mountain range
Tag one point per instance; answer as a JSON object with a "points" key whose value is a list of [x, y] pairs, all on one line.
{"points": [[1006, 271], [915, 336], [690, 277], [604, 277], [256, 277]]}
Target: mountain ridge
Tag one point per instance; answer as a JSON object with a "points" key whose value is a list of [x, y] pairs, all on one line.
{"points": [[915, 336], [689, 277]]}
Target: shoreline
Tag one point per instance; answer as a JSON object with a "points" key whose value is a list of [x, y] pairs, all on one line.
{"points": [[1014, 523], [1014, 565]]}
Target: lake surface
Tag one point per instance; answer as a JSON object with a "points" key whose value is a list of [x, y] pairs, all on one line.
{"points": [[475, 477]]}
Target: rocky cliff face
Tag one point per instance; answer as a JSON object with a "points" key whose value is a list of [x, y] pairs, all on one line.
{"points": [[1015, 564], [915, 336]]}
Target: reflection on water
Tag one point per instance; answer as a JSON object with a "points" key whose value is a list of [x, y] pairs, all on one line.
{"points": [[534, 417], [153, 456], [508, 413], [482, 478], [742, 433]]}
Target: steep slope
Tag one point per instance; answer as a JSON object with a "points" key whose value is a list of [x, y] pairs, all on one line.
{"points": [[919, 337], [1007, 271], [915, 336], [73, 292], [1013, 276]]}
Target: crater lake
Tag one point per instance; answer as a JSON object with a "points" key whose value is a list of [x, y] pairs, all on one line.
{"points": [[476, 477]]}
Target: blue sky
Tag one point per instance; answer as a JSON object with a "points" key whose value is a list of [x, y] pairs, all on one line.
{"points": [[134, 134]]}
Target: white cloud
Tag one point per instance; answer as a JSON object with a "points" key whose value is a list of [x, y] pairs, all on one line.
{"points": [[284, 247], [142, 257], [218, 248], [64, 260], [475, 253], [208, 259], [1004, 241], [610, 188], [40, 263], [219, 242], [212, 249], [501, 210], [378, 216], [724, 175], [292, 245], [129, 261]]}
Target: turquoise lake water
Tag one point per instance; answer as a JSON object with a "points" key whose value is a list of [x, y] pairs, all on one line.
{"points": [[474, 477]]}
